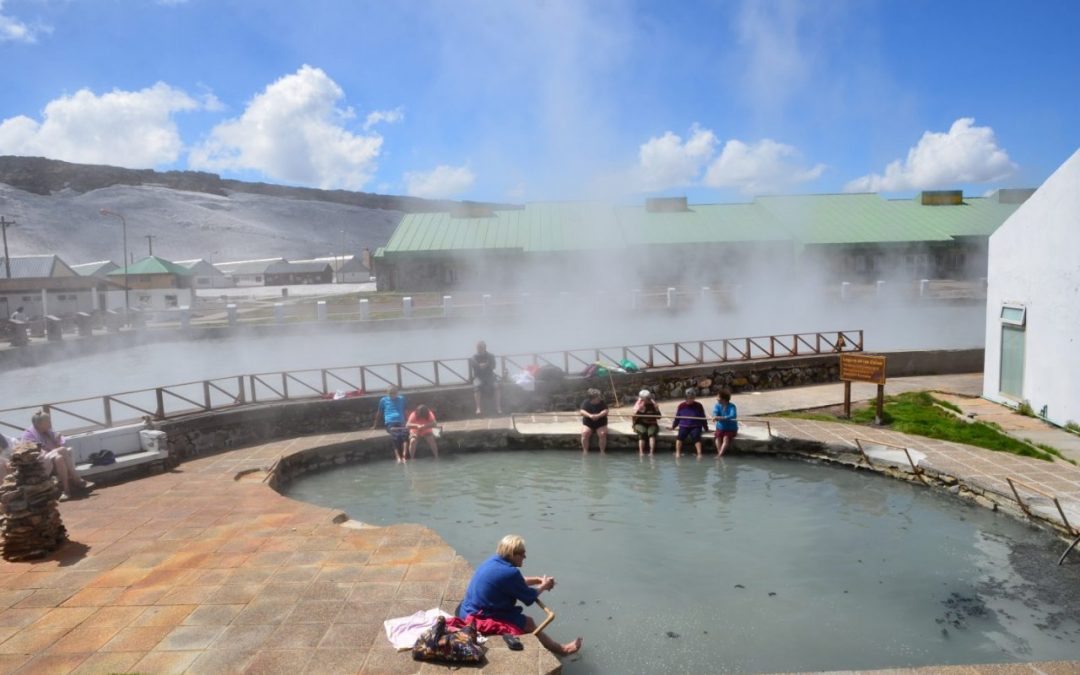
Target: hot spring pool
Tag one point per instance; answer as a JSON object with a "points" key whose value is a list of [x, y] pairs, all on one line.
{"points": [[739, 565]]}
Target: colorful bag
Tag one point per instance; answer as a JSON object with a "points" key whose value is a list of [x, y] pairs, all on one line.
{"points": [[439, 644]]}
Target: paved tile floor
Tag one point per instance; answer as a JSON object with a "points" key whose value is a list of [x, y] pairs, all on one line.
{"points": [[201, 571]]}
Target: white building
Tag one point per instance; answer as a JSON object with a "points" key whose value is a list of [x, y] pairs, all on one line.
{"points": [[247, 272], [46, 285], [1033, 301], [205, 275], [348, 269]]}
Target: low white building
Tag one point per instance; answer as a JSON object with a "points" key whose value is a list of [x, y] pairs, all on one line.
{"points": [[151, 299], [247, 272], [205, 275], [348, 269], [1033, 302]]}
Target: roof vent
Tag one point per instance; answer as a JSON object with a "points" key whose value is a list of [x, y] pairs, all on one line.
{"points": [[666, 204], [472, 210], [1014, 195], [941, 197]]}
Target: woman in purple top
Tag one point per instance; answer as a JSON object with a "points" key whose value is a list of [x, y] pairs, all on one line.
{"points": [[498, 585], [55, 457], [691, 422]]}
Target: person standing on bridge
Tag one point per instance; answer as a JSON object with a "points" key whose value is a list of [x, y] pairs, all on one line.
{"points": [[482, 365]]}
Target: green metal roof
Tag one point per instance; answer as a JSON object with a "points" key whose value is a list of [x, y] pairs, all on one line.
{"points": [[701, 223], [152, 265], [550, 226], [850, 219], [800, 219]]}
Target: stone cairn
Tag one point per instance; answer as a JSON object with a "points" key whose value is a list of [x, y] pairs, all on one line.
{"points": [[29, 518]]}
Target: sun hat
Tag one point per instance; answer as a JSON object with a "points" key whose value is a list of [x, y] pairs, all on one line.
{"points": [[644, 393]]}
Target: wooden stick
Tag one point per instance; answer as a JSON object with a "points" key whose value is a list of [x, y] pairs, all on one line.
{"points": [[546, 621]]}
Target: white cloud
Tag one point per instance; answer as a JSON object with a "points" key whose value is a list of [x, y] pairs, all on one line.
{"points": [[383, 117], [963, 154], [441, 182], [13, 30], [760, 168], [294, 131], [667, 161], [124, 128]]}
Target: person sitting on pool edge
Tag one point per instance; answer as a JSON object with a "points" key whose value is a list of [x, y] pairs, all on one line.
{"points": [[646, 421], [495, 589], [691, 422], [391, 411], [421, 424], [594, 418], [727, 426]]}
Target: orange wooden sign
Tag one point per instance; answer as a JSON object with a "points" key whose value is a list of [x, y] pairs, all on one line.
{"points": [[862, 368]]}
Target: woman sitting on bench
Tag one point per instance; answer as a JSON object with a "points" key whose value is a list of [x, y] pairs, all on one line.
{"points": [[55, 456]]}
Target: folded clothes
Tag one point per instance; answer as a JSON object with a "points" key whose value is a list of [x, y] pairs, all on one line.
{"points": [[403, 632]]}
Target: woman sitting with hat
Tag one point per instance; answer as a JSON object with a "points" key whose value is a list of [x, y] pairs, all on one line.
{"points": [[646, 421]]}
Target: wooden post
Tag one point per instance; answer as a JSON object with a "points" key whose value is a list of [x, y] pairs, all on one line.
{"points": [[847, 399], [879, 412]]}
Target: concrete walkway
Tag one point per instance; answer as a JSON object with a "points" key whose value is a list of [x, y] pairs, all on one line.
{"points": [[207, 570], [1020, 427]]}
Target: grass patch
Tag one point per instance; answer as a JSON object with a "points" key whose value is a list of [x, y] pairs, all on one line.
{"points": [[1073, 427], [948, 406], [918, 413], [1025, 409], [803, 415]]}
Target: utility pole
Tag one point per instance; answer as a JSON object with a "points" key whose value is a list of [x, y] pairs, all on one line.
{"points": [[150, 242], [7, 259]]}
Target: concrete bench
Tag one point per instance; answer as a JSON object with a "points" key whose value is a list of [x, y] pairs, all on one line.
{"points": [[133, 445]]}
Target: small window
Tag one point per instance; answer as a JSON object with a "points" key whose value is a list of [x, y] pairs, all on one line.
{"points": [[170, 301], [27, 298], [258, 280], [1014, 315]]}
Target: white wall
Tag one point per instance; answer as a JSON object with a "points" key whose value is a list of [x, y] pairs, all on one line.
{"points": [[72, 302], [1035, 262], [153, 299]]}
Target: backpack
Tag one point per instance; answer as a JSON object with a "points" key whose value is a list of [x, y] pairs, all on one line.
{"points": [[439, 644]]}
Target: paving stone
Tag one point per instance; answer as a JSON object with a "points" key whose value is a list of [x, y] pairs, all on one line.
{"points": [[185, 638], [279, 662]]}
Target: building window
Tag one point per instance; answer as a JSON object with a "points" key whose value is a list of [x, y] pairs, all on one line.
{"points": [[27, 298], [258, 280], [1013, 315], [170, 301]]}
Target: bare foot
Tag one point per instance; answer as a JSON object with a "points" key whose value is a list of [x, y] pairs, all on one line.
{"points": [[571, 647]]}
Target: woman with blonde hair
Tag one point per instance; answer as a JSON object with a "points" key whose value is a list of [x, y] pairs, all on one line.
{"points": [[497, 586]]}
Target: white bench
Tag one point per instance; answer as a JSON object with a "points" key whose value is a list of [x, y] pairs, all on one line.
{"points": [[132, 445]]}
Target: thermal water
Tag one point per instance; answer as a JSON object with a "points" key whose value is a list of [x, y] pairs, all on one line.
{"points": [[741, 564]]}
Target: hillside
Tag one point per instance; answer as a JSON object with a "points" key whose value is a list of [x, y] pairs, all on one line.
{"points": [[191, 214]]}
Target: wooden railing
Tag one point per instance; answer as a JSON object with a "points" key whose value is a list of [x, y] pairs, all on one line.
{"points": [[176, 400]]}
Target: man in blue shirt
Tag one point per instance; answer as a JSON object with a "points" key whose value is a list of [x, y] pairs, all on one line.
{"points": [[496, 588], [391, 411]]}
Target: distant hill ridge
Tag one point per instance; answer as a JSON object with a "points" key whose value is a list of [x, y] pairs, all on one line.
{"points": [[43, 176]]}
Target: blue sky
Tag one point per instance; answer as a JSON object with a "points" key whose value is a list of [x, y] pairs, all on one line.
{"points": [[551, 99]]}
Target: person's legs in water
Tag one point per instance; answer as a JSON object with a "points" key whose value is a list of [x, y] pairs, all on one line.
{"points": [[601, 438], [432, 445], [653, 431], [586, 433], [551, 645], [641, 435], [412, 446], [697, 441], [725, 443]]}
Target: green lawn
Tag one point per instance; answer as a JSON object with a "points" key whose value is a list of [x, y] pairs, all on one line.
{"points": [[916, 413]]}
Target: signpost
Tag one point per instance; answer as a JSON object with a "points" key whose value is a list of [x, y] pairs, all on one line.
{"points": [[863, 368]]}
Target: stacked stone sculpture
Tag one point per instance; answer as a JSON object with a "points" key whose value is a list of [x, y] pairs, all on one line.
{"points": [[29, 517]]}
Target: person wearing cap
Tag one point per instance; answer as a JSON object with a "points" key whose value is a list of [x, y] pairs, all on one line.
{"points": [[691, 422], [55, 457], [646, 421]]}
